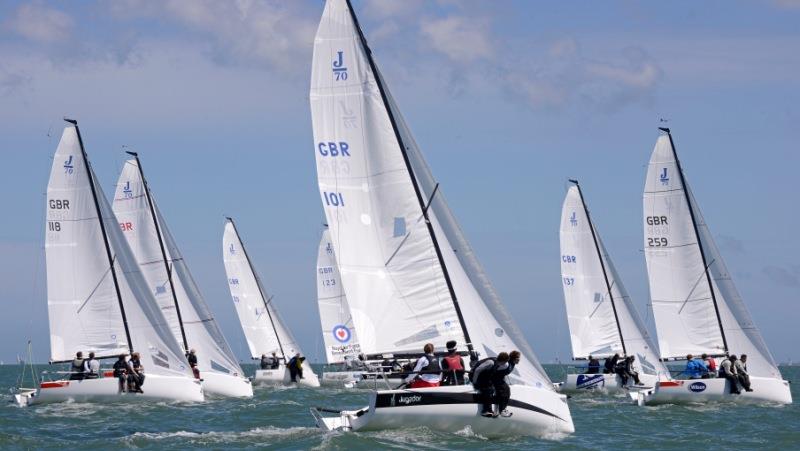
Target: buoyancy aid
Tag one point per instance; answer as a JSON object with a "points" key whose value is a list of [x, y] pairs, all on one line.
{"points": [[433, 364], [77, 365], [453, 362]]}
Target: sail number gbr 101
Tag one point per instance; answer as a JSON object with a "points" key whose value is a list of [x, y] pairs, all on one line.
{"points": [[333, 199]]}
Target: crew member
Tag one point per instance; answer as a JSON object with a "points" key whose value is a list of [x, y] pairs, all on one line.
{"points": [[502, 392], [452, 366], [295, 366], [121, 372], [741, 372], [610, 364], [91, 367], [427, 372], [135, 374], [594, 366], [76, 370], [482, 381], [728, 371], [192, 358], [711, 364], [695, 369]]}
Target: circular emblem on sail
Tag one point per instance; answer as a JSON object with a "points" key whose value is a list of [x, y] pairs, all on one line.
{"points": [[341, 333], [499, 332]]}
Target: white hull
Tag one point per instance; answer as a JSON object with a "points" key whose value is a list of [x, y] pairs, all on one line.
{"points": [[281, 376], [106, 389], [536, 412], [604, 383], [714, 390], [348, 379], [226, 385], [360, 379]]}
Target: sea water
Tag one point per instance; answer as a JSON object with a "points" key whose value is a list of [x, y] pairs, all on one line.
{"points": [[279, 418]]}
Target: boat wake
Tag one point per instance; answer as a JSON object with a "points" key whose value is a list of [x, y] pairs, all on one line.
{"points": [[259, 434]]}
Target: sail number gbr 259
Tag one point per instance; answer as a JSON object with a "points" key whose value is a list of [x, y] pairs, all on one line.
{"points": [[657, 224]]}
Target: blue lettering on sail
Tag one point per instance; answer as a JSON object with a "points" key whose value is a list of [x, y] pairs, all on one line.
{"points": [[573, 219], [232, 249], [664, 177], [329, 248], [126, 190], [334, 149], [339, 69], [68, 167]]}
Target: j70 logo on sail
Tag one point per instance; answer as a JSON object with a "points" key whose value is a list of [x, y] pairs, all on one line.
{"points": [[573, 219], [664, 177], [68, 168], [126, 190], [339, 69]]}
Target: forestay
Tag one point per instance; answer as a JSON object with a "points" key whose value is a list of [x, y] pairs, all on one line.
{"points": [[263, 328], [337, 323], [394, 279], [83, 298], [602, 322], [684, 289], [132, 208]]}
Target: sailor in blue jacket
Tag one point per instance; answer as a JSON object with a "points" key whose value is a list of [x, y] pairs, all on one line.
{"points": [[695, 369]]}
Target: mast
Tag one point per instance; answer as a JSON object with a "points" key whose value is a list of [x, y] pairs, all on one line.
{"points": [[602, 265], [258, 283], [163, 250], [103, 231], [697, 237], [417, 190]]}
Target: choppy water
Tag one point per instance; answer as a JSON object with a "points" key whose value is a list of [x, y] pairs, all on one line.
{"points": [[279, 418]]}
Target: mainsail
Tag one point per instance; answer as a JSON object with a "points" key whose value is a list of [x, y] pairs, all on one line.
{"points": [[338, 332], [409, 273], [167, 274], [97, 298], [263, 328], [602, 318], [695, 303]]}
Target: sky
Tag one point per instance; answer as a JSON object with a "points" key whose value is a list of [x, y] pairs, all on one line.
{"points": [[507, 100]]}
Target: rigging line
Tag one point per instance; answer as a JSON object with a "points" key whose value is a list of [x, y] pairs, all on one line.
{"points": [[601, 301], [699, 278], [102, 278]]}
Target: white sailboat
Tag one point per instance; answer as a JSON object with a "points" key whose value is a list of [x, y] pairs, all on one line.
{"points": [[695, 303], [409, 274], [602, 318], [339, 335], [263, 328], [173, 286], [96, 296]]}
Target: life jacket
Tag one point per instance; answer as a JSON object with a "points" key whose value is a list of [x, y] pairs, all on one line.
{"points": [[433, 364], [77, 365], [481, 376], [453, 362], [119, 368]]}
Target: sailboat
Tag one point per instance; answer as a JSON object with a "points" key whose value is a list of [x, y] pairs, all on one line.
{"points": [[410, 276], [173, 286], [341, 343], [695, 303], [602, 318], [97, 298], [263, 328]]}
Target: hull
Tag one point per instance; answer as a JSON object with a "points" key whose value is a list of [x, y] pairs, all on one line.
{"points": [[106, 389], [225, 385], [361, 380], [604, 383], [347, 379], [281, 377], [715, 390], [536, 412]]}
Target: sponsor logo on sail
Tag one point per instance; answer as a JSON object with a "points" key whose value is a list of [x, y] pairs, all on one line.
{"points": [[339, 69], [341, 333], [126, 190], [232, 249], [697, 387], [68, 167], [664, 177], [499, 332], [573, 219]]}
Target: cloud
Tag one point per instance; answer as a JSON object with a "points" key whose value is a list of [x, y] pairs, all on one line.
{"points": [[461, 39], [783, 276], [245, 32], [786, 4], [564, 75], [12, 81], [37, 22]]}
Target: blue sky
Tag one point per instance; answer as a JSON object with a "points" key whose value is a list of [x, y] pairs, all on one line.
{"points": [[507, 99]]}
